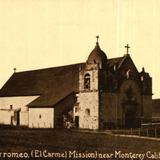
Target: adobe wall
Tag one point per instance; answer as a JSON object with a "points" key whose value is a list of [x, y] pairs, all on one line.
{"points": [[10, 104], [41, 117], [24, 118], [5, 117]]}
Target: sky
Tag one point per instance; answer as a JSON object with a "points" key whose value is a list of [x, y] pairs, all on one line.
{"points": [[38, 34]]}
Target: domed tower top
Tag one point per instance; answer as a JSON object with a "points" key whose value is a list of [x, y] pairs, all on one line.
{"points": [[97, 56]]}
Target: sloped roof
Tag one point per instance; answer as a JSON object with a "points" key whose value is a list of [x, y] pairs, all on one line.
{"points": [[49, 99], [52, 84], [42, 81], [115, 61]]}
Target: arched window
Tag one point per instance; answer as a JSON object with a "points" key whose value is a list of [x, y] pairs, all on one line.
{"points": [[87, 81], [87, 112]]}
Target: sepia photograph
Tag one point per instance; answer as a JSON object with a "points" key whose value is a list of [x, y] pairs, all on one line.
{"points": [[79, 79]]}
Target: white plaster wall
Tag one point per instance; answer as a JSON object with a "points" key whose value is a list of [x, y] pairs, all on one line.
{"points": [[19, 102], [5, 117], [24, 119], [46, 120]]}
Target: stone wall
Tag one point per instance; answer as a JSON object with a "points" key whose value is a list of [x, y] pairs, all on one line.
{"points": [[108, 110], [93, 79], [115, 105], [147, 108], [88, 111]]}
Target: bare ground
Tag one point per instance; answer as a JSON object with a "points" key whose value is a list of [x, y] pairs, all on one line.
{"points": [[21, 140]]}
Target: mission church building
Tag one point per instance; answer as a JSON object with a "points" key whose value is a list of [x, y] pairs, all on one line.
{"points": [[97, 94]]}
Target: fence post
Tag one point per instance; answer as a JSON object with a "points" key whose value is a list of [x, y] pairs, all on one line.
{"points": [[147, 132], [139, 131], [155, 132]]}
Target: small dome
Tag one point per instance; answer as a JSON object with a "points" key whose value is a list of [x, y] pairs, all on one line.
{"points": [[97, 56]]}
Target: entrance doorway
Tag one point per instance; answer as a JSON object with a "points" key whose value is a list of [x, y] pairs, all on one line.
{"points": [[17, 117], [130, 119], [77, 121]]}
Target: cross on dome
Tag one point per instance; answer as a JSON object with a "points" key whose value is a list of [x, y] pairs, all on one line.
{"points": [[97, 37]]}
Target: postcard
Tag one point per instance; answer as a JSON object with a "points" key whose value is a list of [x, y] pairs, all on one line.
{"points": [[80, 79]]}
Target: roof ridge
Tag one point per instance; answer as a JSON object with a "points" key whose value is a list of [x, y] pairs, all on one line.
{"points": [[67, 65], [116, 58], [124, 57], [49, 68]]}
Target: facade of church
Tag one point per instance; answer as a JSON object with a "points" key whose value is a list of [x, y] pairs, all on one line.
{"points": [[98, 94]]}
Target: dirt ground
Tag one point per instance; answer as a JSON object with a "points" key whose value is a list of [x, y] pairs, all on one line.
{"points": [[59, 140]]}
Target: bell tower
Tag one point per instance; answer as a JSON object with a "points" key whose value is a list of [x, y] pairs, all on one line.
{"points": [[91, 78]]}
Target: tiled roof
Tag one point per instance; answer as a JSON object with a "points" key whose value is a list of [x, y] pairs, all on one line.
{"points": [[49, 99], [52, 84], [115, 61], [42, 81]]}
